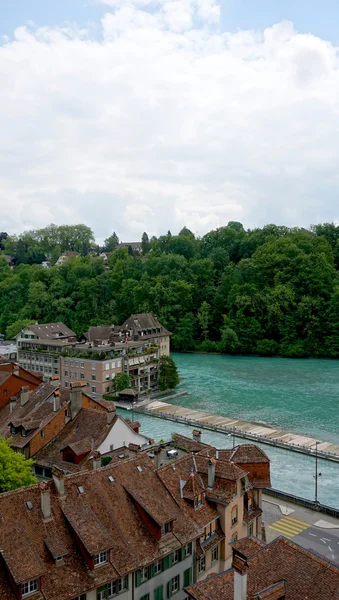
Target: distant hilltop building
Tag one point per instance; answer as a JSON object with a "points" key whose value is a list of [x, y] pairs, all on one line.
{"points": [[136, 246], [65, 257]]}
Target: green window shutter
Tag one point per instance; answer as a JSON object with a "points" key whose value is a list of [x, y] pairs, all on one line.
{"points": [[159, 593], [169, 590], [182, 553], [151, 571], [137, 578], [167, 562], [187, 577]]}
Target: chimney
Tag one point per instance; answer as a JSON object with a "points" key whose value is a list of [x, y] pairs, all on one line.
{"points": [[59, 481], [45, 501], [12, 404], [157, 456], [16, 370], [111, 415], [56, 401], [240, 567], [96, 460], [24, 395], [196, 435], [76, 400], [211, 472]]}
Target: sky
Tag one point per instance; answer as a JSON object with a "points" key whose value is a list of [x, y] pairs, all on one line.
{"points": [[148, 115]]}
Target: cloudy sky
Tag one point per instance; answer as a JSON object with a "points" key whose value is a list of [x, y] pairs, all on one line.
{"points": [[135, 115]]}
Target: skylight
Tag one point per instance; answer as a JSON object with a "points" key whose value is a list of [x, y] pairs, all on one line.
{"points": [[29, 505], [111, 478], [81, 489], [139, 469]]}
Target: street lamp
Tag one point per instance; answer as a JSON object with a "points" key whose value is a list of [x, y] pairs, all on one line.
{"points": [[132, 407], [316, 473]]}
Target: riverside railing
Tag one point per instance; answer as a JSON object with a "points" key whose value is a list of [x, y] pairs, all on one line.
{"points": [[238, 433], [328, 510]]}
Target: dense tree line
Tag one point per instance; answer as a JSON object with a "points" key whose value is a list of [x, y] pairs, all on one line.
{"points": [[269, 291]]}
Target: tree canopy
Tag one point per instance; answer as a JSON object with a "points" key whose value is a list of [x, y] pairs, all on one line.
{"points": [[15, 470], [269, 291]]}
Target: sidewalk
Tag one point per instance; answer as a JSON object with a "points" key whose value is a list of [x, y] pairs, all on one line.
{"points": [[274, 509]]}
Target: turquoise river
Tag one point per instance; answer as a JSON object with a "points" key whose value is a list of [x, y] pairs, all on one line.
{"points": [[297, 395]]}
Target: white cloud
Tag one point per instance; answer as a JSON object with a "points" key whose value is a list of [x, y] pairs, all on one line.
{"points": [[166, 121]]}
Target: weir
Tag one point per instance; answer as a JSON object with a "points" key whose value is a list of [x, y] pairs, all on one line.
{"points": [[245, 429]]}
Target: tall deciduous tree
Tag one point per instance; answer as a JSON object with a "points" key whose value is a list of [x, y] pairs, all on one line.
{"points": [[15, 470], [169, 377], [121, 382], [145, 243], [111, 243]]}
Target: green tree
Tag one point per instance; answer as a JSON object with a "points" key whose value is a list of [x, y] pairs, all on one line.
{"points": [[168, 378], [145, 243], [111, 243], [121, 382], [204, 318], [15, 470]]}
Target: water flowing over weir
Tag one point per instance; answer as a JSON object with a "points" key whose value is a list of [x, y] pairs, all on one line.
{"points": [[300, 396]]}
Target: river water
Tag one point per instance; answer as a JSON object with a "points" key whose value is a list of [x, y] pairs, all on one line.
{"points": [[296, 395]]}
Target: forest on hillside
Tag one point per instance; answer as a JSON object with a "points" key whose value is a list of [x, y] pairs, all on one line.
{"points": [[269, 291]]}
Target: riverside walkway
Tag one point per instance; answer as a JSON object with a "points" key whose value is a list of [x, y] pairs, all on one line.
{"points": [[244, 429]]}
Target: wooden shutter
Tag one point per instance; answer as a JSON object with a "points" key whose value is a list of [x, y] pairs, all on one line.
{"points": [[187, 577], [169, 589], [167, 561], [137, 578]]}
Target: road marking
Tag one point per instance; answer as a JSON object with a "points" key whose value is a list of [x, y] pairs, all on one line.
{"points": [[289, 527], [330, 549], [315, 535], [324, 541]]}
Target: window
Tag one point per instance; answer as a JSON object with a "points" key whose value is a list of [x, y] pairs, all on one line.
{"points": [[145, 597], [81, 597], [76, 363], [81, 365], [38, 470], [174, 586], [94, 389], [157, 567], [42, 433], [166, 529], [66, 383], [175, 557], [234, 537], [144, 574], [71, 363], [76, 375], [188, 549], [215, 553], [113, 365], [234, 515], [23, 432], [119, 364], [107, 366], [202, 564], [112, 589], [29, 587], [101, 559], [187, 577], [107, 389], [107, 377], [93, 366], [159, 593], [93, 377], [250, 529], [82, 376]]}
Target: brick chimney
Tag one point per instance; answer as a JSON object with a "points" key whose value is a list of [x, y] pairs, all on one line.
{"points": [[76, 400], [24, 395], [240, 567], [211, 472], [45, 501], [12, 404], [196, 435], [56, 401], [96, 460]]}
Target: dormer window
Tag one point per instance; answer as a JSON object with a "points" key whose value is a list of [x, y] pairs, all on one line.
{"points": [[198, 501], [166, 529], [29, 587], [23, 432], [100, 559], [12, 429]]}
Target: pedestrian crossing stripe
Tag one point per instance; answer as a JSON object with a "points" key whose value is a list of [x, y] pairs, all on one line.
{"points": [[289, 527]]}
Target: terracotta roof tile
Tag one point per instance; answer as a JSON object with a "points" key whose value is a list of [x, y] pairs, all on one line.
{"points": [[248, 546]]}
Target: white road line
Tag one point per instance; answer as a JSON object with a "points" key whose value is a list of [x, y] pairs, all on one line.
{"points": [[330, 549], [327, 540], [314, 535], [323, 541]]}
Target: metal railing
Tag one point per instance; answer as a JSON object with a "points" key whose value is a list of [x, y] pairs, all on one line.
{"points": [[328, 510]]}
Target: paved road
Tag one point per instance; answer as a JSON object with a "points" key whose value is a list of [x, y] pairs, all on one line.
{"points": [[298, 526]]}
